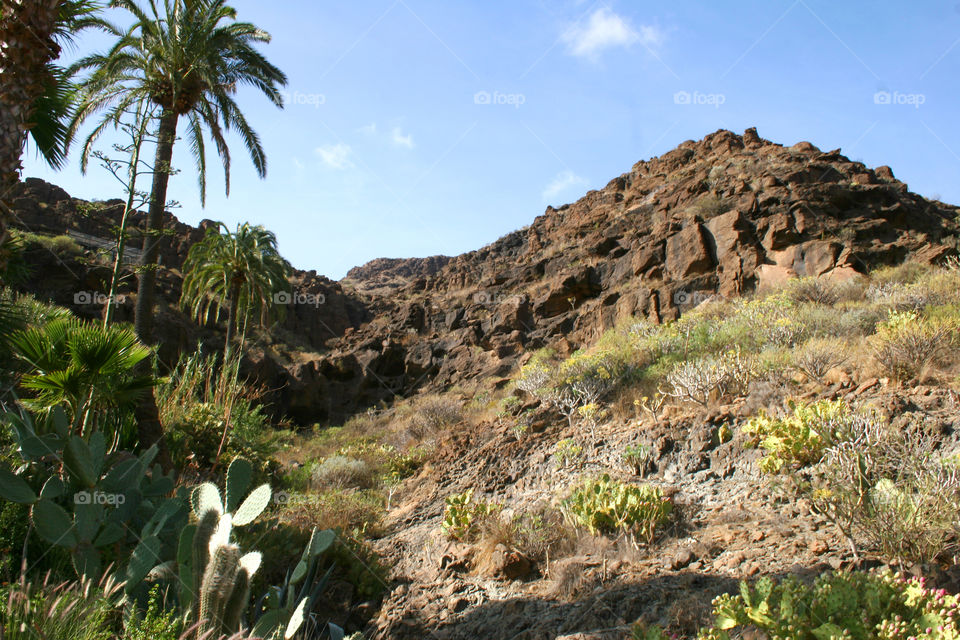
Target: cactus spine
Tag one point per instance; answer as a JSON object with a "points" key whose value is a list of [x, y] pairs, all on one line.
{"points": [[218, 584]]}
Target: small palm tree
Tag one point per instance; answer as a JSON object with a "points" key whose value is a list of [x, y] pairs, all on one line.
{"points": [[241, 272], [87, 369], [188, 57]]}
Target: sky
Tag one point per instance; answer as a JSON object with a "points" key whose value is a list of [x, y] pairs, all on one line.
{"points": [[424, 127]]}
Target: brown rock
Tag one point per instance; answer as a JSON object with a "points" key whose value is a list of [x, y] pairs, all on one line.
{"points": [[509, 564], [688, 253]]}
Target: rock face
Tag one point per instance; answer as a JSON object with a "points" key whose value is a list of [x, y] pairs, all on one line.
{"points": [[722, 215]]}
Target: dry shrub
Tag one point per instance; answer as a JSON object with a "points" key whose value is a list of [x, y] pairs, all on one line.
{"points": [[768, 394], [359, 512], [816, 357], [906, 344], [433, 414], [816, 290], [711, 378], [342, 472]]}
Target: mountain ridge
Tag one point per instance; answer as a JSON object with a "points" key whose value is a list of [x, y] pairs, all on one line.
{"points": [[724, 215]]}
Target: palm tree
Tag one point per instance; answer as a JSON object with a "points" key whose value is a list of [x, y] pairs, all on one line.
{"points": [[35, 94], [188, 57], [240, 271], [87, 369]]}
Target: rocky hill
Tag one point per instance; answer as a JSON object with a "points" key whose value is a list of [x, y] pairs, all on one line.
{"points": [[714, 219], [720, 216]]}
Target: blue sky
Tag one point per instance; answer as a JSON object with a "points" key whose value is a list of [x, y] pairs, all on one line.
{"points": [[420, 127]]}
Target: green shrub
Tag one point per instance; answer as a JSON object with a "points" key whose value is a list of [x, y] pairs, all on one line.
{"points": [[602, 505], [195, 400], [800, 438], [358, 513], [155, 623], [859, 606], [580, 380], [462, 515], [568, 453], [708, 206], [60, 245], [637, 457]]}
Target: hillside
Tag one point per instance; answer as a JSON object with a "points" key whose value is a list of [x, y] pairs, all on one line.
{"points": [[726, 214], [663, 330]]}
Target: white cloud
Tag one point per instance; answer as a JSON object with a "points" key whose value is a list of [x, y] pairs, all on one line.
{"points": [[335, 156], [402, 140], [652, 36], [606, 30], [562, 182], [368, 129]]}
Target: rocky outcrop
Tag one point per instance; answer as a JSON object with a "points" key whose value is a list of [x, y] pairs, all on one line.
{"points": [[723, 215]]}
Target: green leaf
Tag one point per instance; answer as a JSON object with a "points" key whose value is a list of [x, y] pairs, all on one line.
{"points": [[253, 506], [267, 623], [53, 488], [206, 497], [123, 475], [184, 562], [34, 447], [109, 534], [86, 520], [724, 622], [86, 561], [828, 631], [239, 476], [321, 541], [79, 462], [53, 523], [145, 556], [296, 620], [14, 489]]}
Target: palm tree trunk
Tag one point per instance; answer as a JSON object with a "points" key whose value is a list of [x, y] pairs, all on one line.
{"points": [[149, 428], [26, 28], [147, 279]]}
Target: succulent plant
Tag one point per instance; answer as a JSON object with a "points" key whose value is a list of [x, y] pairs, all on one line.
{"points": [[93, 500]]}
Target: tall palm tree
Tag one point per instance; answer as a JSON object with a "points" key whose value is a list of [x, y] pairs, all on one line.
{"points": [[35, 95], [188, 57], [240, 271]]}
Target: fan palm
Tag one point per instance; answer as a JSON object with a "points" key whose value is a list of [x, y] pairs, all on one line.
{"points": [[36, 94], [189, 57], [240, 271], [85, 368]]}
